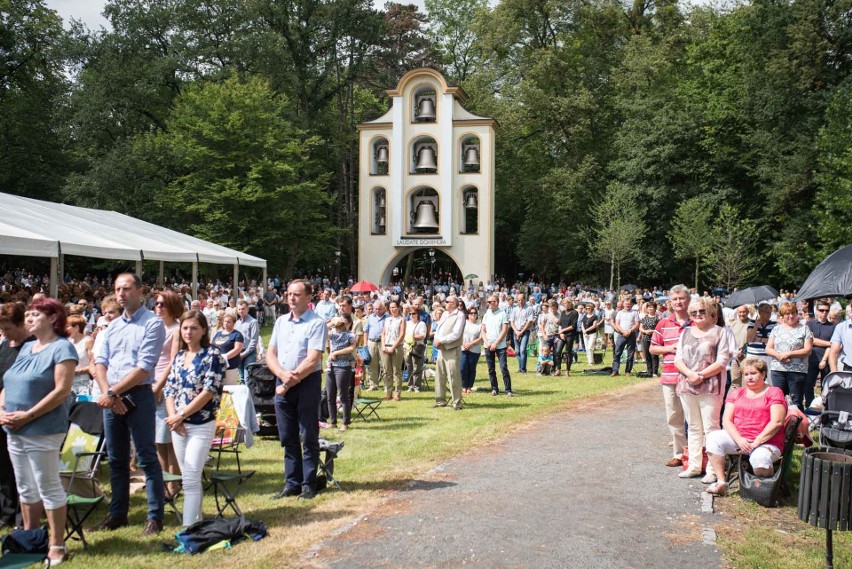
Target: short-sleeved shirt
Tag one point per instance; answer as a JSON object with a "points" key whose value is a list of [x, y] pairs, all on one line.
{"points": [[340, 341], [758, 348], [843, 335], [205, 374], [521, 315], [293, 337], [472, 331], [493, 320], [821, 332], [31, 378], [787, 340], [225, 342], [752, 415], [627, 319], [374, 326], [131, 343], [667, 333]]}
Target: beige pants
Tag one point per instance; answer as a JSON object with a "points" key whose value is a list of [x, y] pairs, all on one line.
{"points": [[447, 369], [674, 418], [589, 341], [374, 379], [392, 364], [736, 374], [702, 414]]}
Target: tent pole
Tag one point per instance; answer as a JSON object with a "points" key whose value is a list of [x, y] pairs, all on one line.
{"points": [[265, 281], [139, 269], [60, 270], [54, 271], [160, 275], [235, 284], [194, 283]]}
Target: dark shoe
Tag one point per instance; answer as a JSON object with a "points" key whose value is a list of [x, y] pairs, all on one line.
{"points": [[111, 523], [307, 494], [153, 527], [287, 492], [674, 463]]}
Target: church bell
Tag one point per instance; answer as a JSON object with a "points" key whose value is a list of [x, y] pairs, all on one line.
{"points": [[471, 158], [426, 109], [426, 160], [425, 219]]}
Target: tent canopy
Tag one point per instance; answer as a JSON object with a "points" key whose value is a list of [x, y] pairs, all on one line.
{"points": [[37, 228]]}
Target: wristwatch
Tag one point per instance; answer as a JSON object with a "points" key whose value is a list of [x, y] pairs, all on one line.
{"points": [[110, 394]]}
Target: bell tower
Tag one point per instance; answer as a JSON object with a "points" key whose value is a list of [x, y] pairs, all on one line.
{"points": [[426, 180]]}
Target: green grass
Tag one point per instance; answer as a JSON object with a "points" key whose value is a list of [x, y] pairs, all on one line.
{"points": [[379, 457], [754, 537]]}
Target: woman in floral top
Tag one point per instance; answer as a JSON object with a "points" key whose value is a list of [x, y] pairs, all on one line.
{"points": [[192, 400], [789, 346]]}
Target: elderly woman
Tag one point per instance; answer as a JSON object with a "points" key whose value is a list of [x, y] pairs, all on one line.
{"points": [[752, 424], [701, 357], [790, 343], [76, 330], [229, 342], [192, 391], [34, 415]]}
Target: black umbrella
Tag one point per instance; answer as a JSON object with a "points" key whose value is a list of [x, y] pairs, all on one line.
{"points": [[628, 287], [752, 295], [832, 277]]}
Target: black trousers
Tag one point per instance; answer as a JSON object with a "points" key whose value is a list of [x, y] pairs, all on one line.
{"points": [[298, 427], [566, 345], [10, 509]]}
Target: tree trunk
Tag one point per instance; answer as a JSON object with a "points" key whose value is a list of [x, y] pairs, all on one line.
{"points": [[611, 271], [409, 266]]}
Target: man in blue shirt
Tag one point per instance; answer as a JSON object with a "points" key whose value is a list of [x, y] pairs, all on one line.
{"points": [[295, 357], [373, 330], [124, 372], [840, 353], [248, 327]]}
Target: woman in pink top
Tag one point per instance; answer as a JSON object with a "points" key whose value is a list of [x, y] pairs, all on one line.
{"points": [[753, 420]]}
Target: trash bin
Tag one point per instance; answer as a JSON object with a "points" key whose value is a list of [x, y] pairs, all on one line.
{"points": [[825, 492]]}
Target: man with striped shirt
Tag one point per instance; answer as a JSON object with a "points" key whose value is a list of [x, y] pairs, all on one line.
{"points": [[664, 343]]}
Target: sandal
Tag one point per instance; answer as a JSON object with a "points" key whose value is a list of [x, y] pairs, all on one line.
{"points": [[718, 489], [54, 562]]}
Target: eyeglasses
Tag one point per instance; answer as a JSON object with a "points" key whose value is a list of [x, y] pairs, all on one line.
{"points": [[472, 313], [822, 309], [701, 312]]}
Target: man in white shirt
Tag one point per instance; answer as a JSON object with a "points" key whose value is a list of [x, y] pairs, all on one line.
{"points": [[626, 324], [495, 328], [448, 340]]}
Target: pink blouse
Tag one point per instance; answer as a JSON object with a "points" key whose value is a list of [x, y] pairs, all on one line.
{"points": [[752, 415]]}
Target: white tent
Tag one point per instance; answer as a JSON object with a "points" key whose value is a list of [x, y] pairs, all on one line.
{"points": [[37, 228]]}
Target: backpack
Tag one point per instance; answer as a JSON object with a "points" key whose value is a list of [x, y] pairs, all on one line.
{"points": [[26, 541]]}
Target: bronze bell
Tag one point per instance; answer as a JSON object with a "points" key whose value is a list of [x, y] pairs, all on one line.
{"points": [[382, 155], [426, 159], [426, 220], [426, 109], [471, 158], [470, 202]]}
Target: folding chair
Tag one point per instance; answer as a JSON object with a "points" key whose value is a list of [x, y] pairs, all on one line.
{"points": [[171, 499], [21, 560], [366, 408], [79, 459], [228, 438], [328, 452]]}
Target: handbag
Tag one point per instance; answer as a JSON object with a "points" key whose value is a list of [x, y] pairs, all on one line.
{"points": [[364, 354], [418, 350]]}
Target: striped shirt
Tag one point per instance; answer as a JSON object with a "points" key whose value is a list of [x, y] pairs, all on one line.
{"points": [[761, 337], [667, 333]]}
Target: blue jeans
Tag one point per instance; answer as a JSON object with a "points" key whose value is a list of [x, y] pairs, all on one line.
{"points": [[620, 344], [297, 414], [504, 369], [468, 368], [791, 383], [137, 423], [244, 362], [521, 350]]}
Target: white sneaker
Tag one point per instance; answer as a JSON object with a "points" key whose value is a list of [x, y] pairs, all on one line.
{"points": [[709, 478], [689, 474]]}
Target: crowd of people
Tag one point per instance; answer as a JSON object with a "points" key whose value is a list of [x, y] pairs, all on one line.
{"points": [[155, 359]]}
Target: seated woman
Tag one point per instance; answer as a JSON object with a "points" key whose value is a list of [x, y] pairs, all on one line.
{"points": [[752, 424]]}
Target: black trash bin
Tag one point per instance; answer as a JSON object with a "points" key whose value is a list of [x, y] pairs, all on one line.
{"points": [[825, 492]]}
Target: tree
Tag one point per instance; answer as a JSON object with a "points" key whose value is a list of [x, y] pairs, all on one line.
{"points": [[692, 231], [243, 176], [618, 230], [452, 32], [733, 260]]}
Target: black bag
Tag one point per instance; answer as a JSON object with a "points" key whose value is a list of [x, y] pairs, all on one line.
{"points": [[26, 541], [261, 381], [418, 350], [201, 535]]}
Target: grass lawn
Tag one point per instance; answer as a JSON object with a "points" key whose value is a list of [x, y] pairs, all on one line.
{"points": [[754, 537], [379, 457]]}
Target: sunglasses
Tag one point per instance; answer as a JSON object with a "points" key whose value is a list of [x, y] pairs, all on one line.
{"points": [[160, 304], [822, 309], [701, 312]]}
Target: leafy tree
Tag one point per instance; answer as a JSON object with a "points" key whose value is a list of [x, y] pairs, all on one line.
{"points": [[692, 231], [243, 175], [452, 32], [618, 231], [733, 259]]}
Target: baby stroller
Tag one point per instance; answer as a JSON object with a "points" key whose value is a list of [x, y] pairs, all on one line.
{"points": [[836, 419], [261, 384]]}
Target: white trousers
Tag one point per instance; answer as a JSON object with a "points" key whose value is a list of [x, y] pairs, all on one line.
{"points": [[674, 418], [720, 443], [191, 451], [702, 415], [35, 460], [589, 341]]}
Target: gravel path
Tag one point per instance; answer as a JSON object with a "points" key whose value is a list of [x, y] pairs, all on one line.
{"points": [[585, 488]]}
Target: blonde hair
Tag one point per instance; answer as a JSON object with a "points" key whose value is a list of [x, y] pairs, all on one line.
{"points": [[757, 363]]}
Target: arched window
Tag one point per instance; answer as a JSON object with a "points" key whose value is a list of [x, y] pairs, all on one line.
{"points": [[379, 157], [379, 206], [469, 214], [423, 211], [424, 101], [424, 156]]}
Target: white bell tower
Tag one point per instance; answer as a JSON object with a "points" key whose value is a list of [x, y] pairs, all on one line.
{"points": [[426, 180]]}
